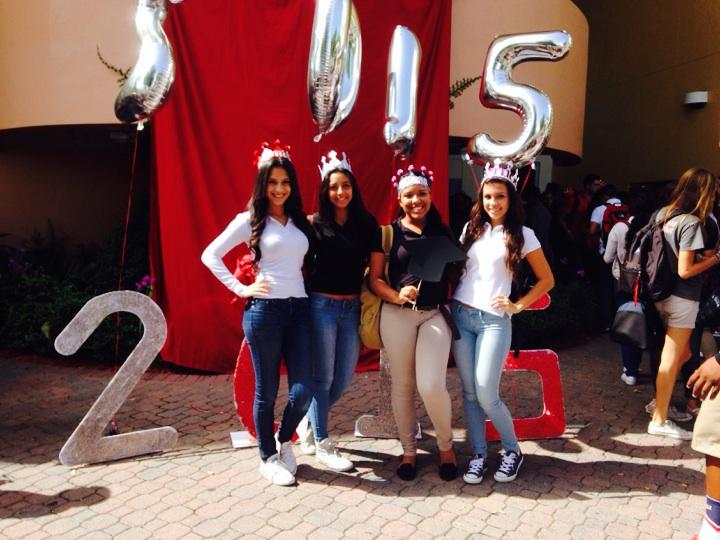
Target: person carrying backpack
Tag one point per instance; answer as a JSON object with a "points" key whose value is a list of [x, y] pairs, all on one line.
{"points": [[597, 271], [618, 244], [683, 233]]}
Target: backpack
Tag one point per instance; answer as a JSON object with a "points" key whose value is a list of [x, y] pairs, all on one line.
{"points": [[647, 272], [614, 213], [370, 303]]}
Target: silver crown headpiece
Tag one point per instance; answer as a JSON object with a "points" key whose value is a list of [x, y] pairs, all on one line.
{"points": [[268, 152], [332, 163], [500, 170], [411, 177]]}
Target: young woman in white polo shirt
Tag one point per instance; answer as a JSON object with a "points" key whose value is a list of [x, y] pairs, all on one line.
{"points": [[277, 313], [495, 242]]}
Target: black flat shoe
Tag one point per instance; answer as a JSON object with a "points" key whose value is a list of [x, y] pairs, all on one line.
{"points": [[448, 471], [407, 471]]}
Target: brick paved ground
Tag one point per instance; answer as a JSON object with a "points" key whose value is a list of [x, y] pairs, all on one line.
{"points": [[605, 479]]}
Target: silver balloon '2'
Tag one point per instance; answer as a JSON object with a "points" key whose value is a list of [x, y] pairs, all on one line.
{"points": [[499, 91], [334, 63], [402, 87], [150, 80]]}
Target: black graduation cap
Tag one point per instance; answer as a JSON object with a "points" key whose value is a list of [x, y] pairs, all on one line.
{"points": [[428, 256]]}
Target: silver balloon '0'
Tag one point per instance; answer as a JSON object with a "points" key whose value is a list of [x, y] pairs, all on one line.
{"points": [[334, 63], [149, 81], [402, 87], [499, 91]]}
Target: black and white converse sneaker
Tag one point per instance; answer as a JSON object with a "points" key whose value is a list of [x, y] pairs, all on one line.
{"points": [[509, 467], [476, 470]]}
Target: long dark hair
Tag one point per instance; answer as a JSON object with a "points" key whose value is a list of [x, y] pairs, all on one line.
{"points": [[326, 210], [513, 226], [258, 205]]}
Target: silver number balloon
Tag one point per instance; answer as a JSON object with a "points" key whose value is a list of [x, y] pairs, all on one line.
{"points": [[499, 91], [150, 80], [334, 63], [402, 87]]}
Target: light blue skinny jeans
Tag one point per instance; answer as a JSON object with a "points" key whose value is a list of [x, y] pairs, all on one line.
{"points": [[480, 355], [335, 349]]}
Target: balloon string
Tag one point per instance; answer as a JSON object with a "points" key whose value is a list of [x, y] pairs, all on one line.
{"points": [[123, 250], [527, 175], [471, 166]]}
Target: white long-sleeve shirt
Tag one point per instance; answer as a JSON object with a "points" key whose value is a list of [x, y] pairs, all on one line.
{"points": [[283, 248]]}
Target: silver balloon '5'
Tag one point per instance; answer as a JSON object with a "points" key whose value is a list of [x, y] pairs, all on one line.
{"points": [[150, 80], [334, 63], [499, 91], [402, 87]]}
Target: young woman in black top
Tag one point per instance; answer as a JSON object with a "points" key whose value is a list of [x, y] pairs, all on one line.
{"points": [[414, 331], [344, 230]]}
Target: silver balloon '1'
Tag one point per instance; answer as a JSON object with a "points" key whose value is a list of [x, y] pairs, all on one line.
{"points": [[499, 91], [334, 63], [402, 86], [150, 80]]}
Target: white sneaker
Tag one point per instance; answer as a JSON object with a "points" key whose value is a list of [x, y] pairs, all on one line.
{"points": [[307, 439], [287, 456], [328, 455], [275, 471], [669, 429], [673, 413], [628, 379]]}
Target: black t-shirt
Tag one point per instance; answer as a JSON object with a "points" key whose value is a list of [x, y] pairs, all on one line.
{"points": [[341, 254], [431, 293]]}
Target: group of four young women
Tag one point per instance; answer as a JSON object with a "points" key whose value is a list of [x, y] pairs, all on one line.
{"points": [[318, 335]]}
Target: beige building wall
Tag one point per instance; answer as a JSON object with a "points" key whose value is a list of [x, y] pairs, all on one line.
{"points": [[49, 70], [475, 23], [644, 56]]}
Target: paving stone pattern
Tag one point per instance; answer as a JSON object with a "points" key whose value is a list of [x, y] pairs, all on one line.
{"points": [[606, 478]]}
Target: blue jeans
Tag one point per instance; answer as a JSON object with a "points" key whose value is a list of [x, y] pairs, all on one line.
{"points": [[335, 350], [275, 329], [480, 355]]}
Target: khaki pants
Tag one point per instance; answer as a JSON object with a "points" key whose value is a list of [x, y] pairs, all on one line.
{"points": [[706, 433], [417, 344]]}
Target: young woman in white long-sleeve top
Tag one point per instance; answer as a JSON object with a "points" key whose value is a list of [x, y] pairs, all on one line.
{"points": [[276, 322]]}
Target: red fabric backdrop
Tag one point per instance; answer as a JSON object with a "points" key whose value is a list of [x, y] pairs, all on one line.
{"points": [[241, 79]]}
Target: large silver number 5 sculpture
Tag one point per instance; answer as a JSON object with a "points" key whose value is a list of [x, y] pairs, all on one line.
{"points": [[86, 444], [499, 91]]}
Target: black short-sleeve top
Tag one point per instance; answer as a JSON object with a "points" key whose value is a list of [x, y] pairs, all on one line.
{"points": [[342, 253], [431, 293]]}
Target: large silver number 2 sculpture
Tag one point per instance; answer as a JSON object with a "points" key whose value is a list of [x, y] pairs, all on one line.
{"points": [[86, 444]]}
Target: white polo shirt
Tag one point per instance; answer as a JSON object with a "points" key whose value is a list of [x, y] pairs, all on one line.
{"points": [[283, 248], [486, 275]]}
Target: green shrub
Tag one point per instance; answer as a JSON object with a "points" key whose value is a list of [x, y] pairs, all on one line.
{"points": [[43, 286]]}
